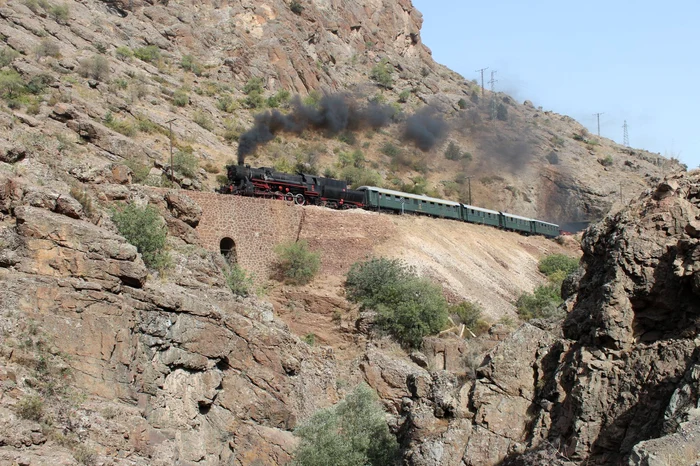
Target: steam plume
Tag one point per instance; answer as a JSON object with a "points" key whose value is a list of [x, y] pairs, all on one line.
{"points": [[425, 128], [335, 114]]}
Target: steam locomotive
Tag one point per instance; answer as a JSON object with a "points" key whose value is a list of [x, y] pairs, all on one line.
{"points": [[311, 189]]}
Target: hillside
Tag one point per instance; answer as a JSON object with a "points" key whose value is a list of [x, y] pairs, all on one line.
{"points": [[105, 81]]}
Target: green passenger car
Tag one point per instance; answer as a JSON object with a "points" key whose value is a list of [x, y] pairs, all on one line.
{"points": [[474, 214], [544, 228], [517, 223], [400, 202]]}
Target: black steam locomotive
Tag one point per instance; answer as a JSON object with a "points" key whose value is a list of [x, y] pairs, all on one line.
{"points": [[300, 188]]}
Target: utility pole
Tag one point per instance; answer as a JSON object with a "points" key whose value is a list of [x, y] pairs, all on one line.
{"points": [[598, 116], [482, 79], [625, 135], [172, 169], [493, 82]]}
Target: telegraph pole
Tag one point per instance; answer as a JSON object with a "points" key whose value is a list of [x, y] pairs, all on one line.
{"points": [[625, 135], [172, 169], [598, 116], [493, 82], [482, 79]]}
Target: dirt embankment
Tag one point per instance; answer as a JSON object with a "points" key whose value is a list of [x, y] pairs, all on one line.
{"points": [[479, 263]]}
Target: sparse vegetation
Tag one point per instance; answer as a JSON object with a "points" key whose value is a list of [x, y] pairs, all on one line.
{"points": [[123, 53], [352, 433], [606, 161], [30, 407], [453, 152], [227, 104], [238, 280], [409, 307], [144, 228], [203, 120], [185, 163], [404, 95], [125, 127], [280, 99], [11, 84], [296, 7], [502, 112], [7, 56], [181, 98], [59, 13], [84, 199], [469, 314], [544, 301], [381, 74], [297, 264], [462, 104], [47, 48], [149, 54], [390, 150], [253, 91], [189, 63], [140, 171], [96, 67]]}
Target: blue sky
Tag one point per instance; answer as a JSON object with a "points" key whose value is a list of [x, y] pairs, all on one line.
{"points": [[632, 60]]}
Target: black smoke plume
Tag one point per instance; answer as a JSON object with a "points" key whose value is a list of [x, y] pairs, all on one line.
{"points": [[335, 113], [425, 128]]}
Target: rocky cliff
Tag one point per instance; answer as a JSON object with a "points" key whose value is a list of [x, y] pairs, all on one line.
{"points": [[617, 382]]}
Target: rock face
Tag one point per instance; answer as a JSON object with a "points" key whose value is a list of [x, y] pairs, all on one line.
{"points": [[216, 379], [620, 384]]}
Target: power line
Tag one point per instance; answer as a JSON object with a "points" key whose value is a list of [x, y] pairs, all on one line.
{"points": [[598, 116], [482, 79], [625, 135]]}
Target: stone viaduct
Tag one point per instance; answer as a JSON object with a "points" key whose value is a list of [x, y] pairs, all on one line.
{"points": [[248, 227]]}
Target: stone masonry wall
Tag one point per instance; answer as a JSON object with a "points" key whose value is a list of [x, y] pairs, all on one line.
{"points": [[255, 225]]}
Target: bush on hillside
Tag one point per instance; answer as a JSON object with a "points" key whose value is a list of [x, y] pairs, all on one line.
{"points": [[409, 307], [470, 315], [185, 163], [297, 264], [144, 228], [352, 433], [542, 303], [558, 262], [381, 74], [238, 280]]}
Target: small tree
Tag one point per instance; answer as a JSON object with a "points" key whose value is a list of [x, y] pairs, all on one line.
{"points": [[502, 112], [96, 67], [453, 152], [469, 314], [144, 228], [462, 104], [381, 73], [543, 302], [556, 262], [352, 433], [185, 163], [11, 84], [296, 262]]}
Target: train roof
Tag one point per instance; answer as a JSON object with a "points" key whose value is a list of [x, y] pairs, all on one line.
{"points": [[519, 217], [480, 209], [407, 195]]}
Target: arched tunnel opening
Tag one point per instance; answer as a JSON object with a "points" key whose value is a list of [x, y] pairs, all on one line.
{"points": [[228, 249]]}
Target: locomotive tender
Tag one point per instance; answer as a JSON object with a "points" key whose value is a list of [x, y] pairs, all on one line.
{"points": [[312, 189]]}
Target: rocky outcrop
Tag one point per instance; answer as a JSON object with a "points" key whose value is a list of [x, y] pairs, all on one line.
{"points": [[620, 384]]}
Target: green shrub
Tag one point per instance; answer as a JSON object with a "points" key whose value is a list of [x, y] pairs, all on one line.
{"points": [[185, 163], [144, 228], [296, 7], [203, 120], [360, 176], [409, 307], [381, 74], [390, 149], [557, 262], [7, 56], [59, 13], [462, 104], [30, 407], [502, 112], [149, 53], [453, 152], [542, 303], [297, 264], [123, 53], [310, 339], [227, 104], [181, 98], [238, 280], [189, 63], [352, 433], [278, 100], [96, 68], [100, 47], [404, 95], [124, 127], [470, 315], [11, 84], [232, 131], [606, 161], [140, 171]]}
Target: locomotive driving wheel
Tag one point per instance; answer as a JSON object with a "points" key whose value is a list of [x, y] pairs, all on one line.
{"points": [[278, 195], [299, 199], [289, 197]]}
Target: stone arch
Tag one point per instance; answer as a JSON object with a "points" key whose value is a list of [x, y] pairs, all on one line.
{"points": [[227, 246]]}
